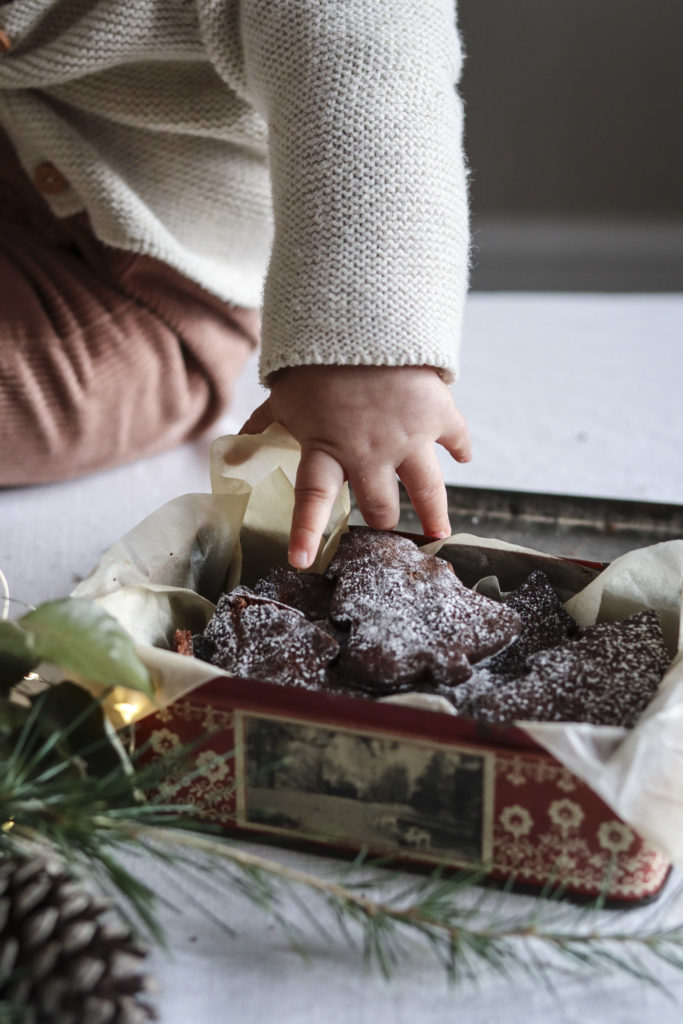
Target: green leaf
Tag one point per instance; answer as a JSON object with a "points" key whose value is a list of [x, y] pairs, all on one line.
{"points": [[17, 656], [86, 641]]}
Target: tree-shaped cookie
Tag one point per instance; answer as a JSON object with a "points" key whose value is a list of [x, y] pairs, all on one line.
{"points": [[409, 617]]}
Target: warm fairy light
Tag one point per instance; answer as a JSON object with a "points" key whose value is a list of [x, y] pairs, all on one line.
{"points": [[126, 711]]}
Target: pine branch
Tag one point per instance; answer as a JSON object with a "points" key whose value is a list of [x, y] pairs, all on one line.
{"points": [[435, 915]]}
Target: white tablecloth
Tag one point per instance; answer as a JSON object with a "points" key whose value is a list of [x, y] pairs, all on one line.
{"points": [[255, 976], [574, 394]]}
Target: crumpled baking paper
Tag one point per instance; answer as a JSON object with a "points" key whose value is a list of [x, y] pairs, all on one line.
{"points": [[167, 572]]}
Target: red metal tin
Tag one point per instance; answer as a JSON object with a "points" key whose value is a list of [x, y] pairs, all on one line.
{"points": [[422, 787]]}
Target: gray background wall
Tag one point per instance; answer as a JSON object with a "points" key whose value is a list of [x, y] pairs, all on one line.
{"points": [[574, 135]]}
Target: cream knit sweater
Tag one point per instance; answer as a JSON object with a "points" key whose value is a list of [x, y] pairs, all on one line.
{"points": [[321, 139]]}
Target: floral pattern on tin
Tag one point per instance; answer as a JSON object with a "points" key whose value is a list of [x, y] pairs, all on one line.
{"points": [[518, 772], [566, 814], [516, 820], [566, 781], [213, 766], [163, 740], [615, 836]]}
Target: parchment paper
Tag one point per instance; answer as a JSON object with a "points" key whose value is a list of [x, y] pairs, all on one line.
{"points": [[267, 463], [638, 772], [166, 572], [169, 570]]}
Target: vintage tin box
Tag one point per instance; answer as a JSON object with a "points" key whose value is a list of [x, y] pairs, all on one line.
{"points": [[420, 787]]}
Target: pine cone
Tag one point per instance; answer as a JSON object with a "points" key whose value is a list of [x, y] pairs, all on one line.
{"points": [[65, 957]]}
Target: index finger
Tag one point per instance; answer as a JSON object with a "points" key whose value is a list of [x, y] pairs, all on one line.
{"points": [[318, 482]]}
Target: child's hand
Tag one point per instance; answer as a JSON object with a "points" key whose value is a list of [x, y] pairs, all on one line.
{"points": [[367, 423]]}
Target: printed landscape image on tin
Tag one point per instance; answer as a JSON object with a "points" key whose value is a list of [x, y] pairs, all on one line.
{"points": [[351, 787]]}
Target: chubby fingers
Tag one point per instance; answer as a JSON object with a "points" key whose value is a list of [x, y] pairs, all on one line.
{"points": [[456, 438], [318, 481], [423, 480], [375, 489]]}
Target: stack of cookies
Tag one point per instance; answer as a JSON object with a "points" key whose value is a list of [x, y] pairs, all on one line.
{"points": [[387, 618]]}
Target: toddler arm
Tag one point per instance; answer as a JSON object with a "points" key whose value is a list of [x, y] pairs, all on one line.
{"points": [[365, 290], [369, 261]]}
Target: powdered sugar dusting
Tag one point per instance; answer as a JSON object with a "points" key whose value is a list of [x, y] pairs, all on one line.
{"points": [[255, 637], [399, 619], [309, 593], [607, 676], [410, 617], [545, 623]]}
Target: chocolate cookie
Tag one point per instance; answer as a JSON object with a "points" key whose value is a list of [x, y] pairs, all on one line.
{"points": [[202, 647], [309, 593], [607, 676], [545, 624], [409, 617], [252, 636]]}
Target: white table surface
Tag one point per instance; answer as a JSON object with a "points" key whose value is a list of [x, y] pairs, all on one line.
{"points": [[564, 393], [257, 977]]}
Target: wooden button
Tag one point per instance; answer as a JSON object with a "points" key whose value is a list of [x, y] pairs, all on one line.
{"points": [[49, 180], [5, 42]]}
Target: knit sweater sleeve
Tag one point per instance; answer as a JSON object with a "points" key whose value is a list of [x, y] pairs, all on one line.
{"points": [[370, 252]]}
